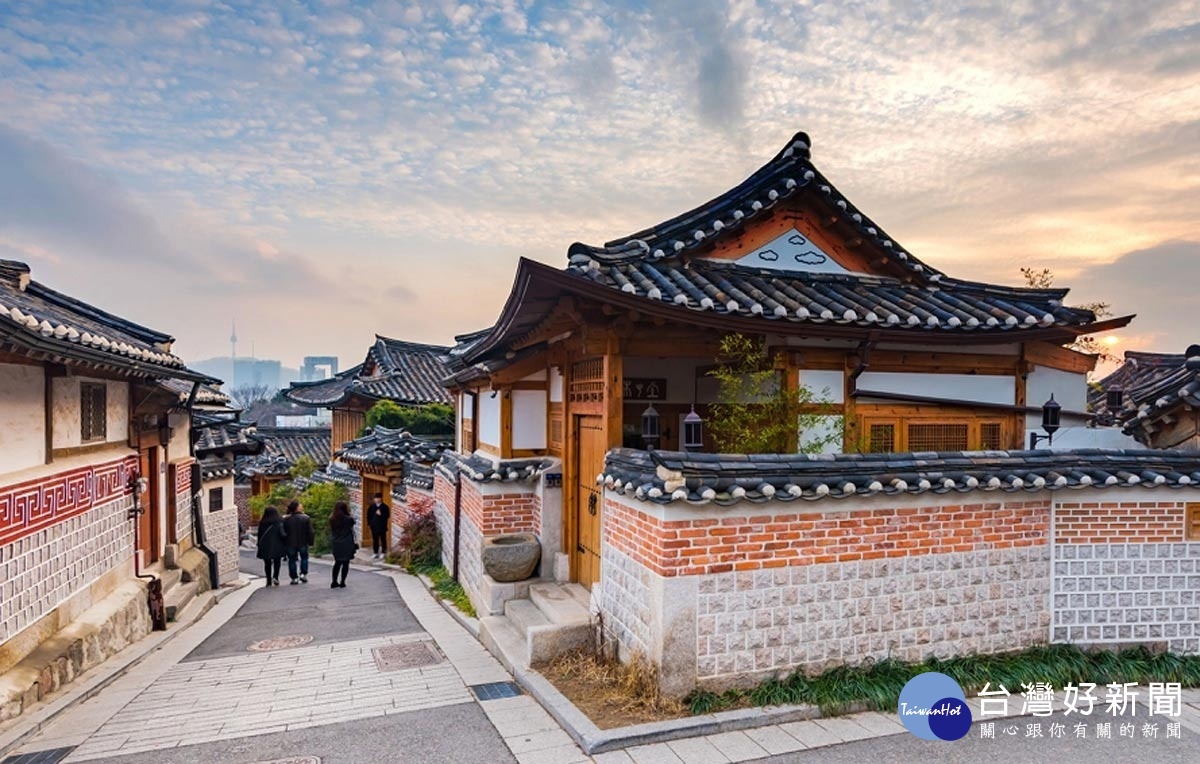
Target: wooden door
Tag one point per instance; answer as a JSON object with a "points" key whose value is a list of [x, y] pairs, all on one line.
{"points": [[590, 447], [370, 487], [148, 521]]}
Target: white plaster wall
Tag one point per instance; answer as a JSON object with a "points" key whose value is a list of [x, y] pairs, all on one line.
{"points": [[824, 385], [529, 418], [179, 447], [1088, 437], [22, 417], [489, 418], [556, 385], [66, 411], [1069, 390], [827, 431], [979, 388]]}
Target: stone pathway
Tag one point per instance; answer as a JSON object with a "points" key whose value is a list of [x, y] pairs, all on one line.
{"points": [[204, 697]]}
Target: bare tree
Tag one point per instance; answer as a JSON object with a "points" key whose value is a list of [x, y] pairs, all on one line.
{"points": [[249, 394], [1044, 279]]}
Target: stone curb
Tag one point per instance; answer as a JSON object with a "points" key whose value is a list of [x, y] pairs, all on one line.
{"points": [[594, 740], [28, 725]]}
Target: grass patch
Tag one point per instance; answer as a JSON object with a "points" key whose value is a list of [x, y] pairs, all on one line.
{"points": [[445, 586], [609, 692], [876, 685]]}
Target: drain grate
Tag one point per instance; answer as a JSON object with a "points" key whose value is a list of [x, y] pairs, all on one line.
{"points": [[496, 690], [279, 643], [51, 756], [406, 656]]}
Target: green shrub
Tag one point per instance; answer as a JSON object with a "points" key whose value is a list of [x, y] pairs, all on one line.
{"points": [[419, 546], [430, 419], [318, 500], [305, 466], [278, 497]]}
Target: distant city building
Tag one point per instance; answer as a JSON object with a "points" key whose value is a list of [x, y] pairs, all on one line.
{"points": [[318, 367]]}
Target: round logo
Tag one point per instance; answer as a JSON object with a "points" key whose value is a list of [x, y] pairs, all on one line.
{"points": [[933, 707]]}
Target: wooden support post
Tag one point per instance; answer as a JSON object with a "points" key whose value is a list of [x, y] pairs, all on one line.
{"points": [[506, 423], [614, 394], [852, 434], [789, 372]]}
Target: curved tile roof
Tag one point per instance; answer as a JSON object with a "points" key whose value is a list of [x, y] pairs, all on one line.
{"points": [[282, 446], [323, 392], [481, 468], [405, 372], [384, 447], [34, 316], [723, 479]]}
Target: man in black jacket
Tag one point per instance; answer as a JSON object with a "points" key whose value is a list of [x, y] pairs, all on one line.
{"points": [[299, 538], [378, 515]]}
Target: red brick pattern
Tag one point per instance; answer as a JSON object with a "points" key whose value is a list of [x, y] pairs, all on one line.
{"points": [[741, 542], [493, 514], [183, 475], [1108, 523]]}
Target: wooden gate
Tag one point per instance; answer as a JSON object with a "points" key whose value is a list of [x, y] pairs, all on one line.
{"points": [[590, 447], [148, 521]]}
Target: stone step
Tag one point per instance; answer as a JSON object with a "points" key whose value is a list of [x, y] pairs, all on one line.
{"points": [[581, 595], [178, 598], [524, 615], [502, 639], [170, 578], [548, 642], [559, 605]]}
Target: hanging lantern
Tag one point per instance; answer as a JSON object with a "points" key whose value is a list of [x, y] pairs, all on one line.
{"points": [[650, 424], [693, 431], [1051, 418]]}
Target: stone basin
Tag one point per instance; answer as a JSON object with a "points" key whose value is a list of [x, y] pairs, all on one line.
{"points": [[512, 557]]}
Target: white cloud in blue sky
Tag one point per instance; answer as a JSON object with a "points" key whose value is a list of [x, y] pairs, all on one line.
{"points": [[384, 165]]}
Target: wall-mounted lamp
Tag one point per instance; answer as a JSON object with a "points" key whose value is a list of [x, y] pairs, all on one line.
{"points": [[650, 427], [494, 394], [693, 431], [136, 485], [1051, 421]]}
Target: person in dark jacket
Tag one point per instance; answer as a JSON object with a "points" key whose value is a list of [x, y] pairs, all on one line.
{"points": [[341, 539], [272, 543], [299, 538], [378, 515]]}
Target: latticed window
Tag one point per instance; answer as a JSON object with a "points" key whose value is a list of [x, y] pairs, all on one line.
{"points": [[937, 437], [587, 381], [216, 499], [882, 438], [989, 436], [93, 411]]}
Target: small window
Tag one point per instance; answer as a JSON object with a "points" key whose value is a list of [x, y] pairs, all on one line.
{"points": [[1192, 531], [989, 436], [937, 437], [216, 499], [93, 411], [882, 438]]}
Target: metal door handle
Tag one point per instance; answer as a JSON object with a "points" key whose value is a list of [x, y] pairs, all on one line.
{"points": [[592, 504]]}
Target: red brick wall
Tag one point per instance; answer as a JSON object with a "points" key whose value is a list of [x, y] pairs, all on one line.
{"points": [[493, 514], [1108, 523], [742, 542], [414, 503]]}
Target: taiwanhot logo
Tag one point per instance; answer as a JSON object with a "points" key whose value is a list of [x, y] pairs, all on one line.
{"points": [[933, 707]]}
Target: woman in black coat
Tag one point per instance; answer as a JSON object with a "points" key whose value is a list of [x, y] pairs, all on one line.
{"points": [[341, 541], [272, 543]]}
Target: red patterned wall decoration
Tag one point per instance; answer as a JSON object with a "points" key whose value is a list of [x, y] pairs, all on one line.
{"points": [[183, 475], [26, 508]]}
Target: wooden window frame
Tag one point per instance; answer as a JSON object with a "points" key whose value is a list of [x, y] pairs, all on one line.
{"points": [[1191, 527], [219, 504], [901, 423], [88, 422]]}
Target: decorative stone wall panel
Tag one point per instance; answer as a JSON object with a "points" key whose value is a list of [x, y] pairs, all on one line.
{"points": [[625, 600]]}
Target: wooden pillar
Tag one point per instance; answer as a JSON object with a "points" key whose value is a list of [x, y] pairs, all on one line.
{"points": [[785, 363], [1017, 440], [506, 421], [852, 433], [614, 394]]}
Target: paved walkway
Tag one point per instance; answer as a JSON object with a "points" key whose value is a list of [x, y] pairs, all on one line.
{"points": [[380, 671]]}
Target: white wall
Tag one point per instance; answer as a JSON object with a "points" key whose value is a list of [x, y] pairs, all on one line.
{"points": [[22, 417], [1069, 390], [825, 386], [556, 385], [977, 388], [66, 411], [489, 418], [529, 418]]}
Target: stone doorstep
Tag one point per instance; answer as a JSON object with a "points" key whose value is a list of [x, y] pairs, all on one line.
{"points": [[178, 598], [108, 627]]}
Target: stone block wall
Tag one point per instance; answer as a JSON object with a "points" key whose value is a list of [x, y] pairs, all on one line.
{"points": [[470, 569], [1124, 573], [58, 535], [727, 596], [222, 534], [241, 497]]}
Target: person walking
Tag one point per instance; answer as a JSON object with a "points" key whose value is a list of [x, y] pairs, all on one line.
{"points": [[378, 516], [272, 543], [341, 540], [299, 537]]}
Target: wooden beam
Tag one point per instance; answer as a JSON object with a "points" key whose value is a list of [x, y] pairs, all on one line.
{"points": [[851, 425], [614, 392], [1058, 357], [519, 370]]}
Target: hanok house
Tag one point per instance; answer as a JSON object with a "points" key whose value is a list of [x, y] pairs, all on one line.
{"points": [[219, 441], [398, 465], [723, 568], [282, 447], [95, 484], [406, 373], [1155, 398]]}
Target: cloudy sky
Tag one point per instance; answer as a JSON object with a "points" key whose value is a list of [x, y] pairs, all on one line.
{"points": [[324, 171]]}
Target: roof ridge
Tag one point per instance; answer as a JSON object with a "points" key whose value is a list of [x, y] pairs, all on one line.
{"points": [[143, 333]]}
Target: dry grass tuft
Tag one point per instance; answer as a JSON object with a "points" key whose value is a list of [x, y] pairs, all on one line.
{"points": [[626, 689]]}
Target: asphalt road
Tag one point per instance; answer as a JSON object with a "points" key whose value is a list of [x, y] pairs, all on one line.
{"points": [[1018, 749], [447, 735], [369, 606]]}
